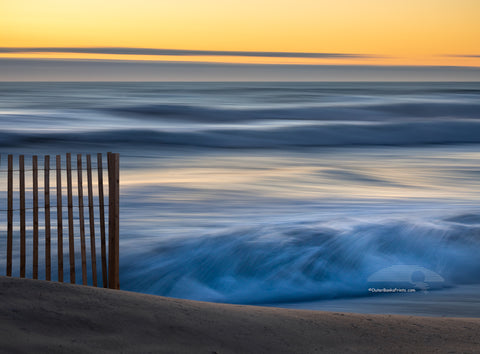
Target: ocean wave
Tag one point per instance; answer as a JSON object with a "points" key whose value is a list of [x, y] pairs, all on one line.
{"points": [[312, 135], [293, 262], [359, 109]]}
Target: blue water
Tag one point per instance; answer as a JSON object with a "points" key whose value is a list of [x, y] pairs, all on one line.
{"points": [[289, 194]]}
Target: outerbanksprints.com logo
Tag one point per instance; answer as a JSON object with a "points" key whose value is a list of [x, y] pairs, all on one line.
{"points": [[404, 279], [391, 290]]}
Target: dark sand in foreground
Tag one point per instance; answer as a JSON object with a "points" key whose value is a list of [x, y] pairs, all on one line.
{"points": [[39, 316]]}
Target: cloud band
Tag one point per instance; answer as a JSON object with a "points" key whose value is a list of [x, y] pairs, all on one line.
{"points": [[175, 52]]}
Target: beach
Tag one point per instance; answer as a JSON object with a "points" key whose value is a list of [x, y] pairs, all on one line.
{"points": [[39, 316], [287, 201], [240, 177]]}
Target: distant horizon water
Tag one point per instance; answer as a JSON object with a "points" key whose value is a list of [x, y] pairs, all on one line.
{"points": [[131, 70]]}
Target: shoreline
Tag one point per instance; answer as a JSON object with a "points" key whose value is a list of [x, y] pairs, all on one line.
{"points": [[459, 301], [41, 316]]}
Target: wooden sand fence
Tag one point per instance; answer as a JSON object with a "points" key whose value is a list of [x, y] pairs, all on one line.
{"points": [[26, 226]]}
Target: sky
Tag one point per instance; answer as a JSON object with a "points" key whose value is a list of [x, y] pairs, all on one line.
{"points": [[239, 39]]}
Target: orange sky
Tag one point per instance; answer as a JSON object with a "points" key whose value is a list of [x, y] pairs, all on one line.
{"points": [[407, 32]]}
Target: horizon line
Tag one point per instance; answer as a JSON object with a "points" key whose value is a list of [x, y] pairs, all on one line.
{"points": [[55, 69]]}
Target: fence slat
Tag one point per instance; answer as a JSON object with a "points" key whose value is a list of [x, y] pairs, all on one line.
{"points": [[10, 216], [81, 219], [113, 222], [101, 202], [91, 219], [59, 219], [71, 239], [117, 221], [21, 167], [35, 215], [46, 200]]}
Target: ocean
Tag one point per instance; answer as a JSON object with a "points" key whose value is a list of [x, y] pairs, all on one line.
{"points": [[360, 197]]}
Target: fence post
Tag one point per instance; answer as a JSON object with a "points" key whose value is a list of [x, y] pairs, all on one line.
{"points": [[59, 219], [10, 216], [101, 199], [81, 219], [91, 219], [46, 190], [21, 166], [71, 236], [35, 215], [113, 220]]}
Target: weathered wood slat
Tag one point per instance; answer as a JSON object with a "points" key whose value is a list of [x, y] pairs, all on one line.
{"points": [[91, 219], [21, 167], [46, 200], [59, 218], [71, 238], [10, 216], [101, 202], [117, 221], [113, 214], [35, 215], [81, 219]]}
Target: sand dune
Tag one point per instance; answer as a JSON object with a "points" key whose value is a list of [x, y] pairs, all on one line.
{"points": [[39, 316]]}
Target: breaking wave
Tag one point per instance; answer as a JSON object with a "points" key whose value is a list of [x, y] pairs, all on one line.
{"points": [[389, 134], [303, 261]]}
